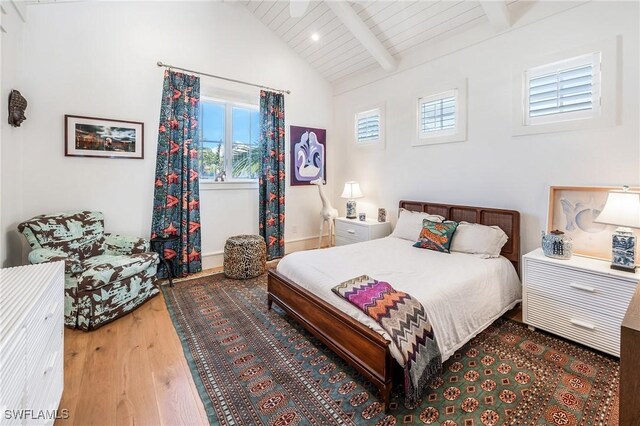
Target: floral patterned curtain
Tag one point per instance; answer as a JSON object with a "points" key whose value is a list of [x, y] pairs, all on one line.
{"points": [[272, 177], [176, 203]]}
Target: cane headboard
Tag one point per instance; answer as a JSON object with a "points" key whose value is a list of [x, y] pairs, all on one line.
{"points": [[507, 220]]}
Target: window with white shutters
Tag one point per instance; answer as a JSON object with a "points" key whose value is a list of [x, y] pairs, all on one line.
{"points": [[368, 126], [565, 90], [437, 114]]}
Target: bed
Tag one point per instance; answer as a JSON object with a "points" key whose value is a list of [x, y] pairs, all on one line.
{"points": [[468, 295]]}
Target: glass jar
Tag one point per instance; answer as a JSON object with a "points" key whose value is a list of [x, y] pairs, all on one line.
{"points": [[557, 245]]}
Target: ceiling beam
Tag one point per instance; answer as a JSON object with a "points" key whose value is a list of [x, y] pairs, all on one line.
{"points": [[498, 14], [20, 9], [363, 34]]}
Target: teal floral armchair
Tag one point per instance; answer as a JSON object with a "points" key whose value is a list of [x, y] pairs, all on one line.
{"points": [[106, 275]]}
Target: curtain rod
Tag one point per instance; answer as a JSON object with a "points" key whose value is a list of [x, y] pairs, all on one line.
{"points": [[160, 64]]}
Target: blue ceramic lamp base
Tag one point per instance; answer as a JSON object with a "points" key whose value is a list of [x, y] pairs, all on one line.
{"points": [[351, 209], [623, 250]]}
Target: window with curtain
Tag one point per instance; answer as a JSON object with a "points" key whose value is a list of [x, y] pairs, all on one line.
{"points": [[564, 90], [229, 141]]}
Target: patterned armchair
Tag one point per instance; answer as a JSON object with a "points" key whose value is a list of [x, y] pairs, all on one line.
{"points": [[106, 275]]}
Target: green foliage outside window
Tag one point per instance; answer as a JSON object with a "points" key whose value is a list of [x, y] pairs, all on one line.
{"points": [[240, 139]]}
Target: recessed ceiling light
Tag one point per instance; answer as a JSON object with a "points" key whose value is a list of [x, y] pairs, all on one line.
{"points": [[315, 36]]}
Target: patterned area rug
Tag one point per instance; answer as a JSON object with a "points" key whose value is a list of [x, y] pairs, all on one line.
{"points": [[254, 366]]}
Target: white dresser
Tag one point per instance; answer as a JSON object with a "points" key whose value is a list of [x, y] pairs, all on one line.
{"points": [[31, 343], [581, 299], [349, 231]]}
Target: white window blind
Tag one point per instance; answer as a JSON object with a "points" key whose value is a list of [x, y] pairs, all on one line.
{"points": [[368, 126], [437, 114], [564, 90]]}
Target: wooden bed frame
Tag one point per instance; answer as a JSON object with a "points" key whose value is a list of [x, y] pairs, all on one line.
{"points": [[361, 347]]}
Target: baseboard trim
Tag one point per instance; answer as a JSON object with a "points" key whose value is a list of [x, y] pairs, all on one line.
{"points": [[215, 259]]}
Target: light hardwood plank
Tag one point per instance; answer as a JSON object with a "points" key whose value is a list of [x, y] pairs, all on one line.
{"points": [[173, 385], [135, 404], [96, 403], [131, 371], [75, 354]]}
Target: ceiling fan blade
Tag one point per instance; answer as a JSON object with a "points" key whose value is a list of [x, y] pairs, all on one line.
{"points": [[297, 8]]}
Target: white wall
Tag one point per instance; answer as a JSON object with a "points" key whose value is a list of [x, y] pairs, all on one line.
{"points": [[12, 140], [99, 59], [493, 168]]}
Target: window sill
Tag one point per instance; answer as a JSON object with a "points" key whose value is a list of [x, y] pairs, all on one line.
{"points": [[369, 143], [207, 185], [563, 125], [458, 136]]}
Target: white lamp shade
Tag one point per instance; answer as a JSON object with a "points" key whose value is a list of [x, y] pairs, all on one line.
{"points": [[621, 209], [351, 190]]}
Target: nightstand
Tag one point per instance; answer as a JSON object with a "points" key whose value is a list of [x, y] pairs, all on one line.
{"points": [[349, 231], [580, 299]]}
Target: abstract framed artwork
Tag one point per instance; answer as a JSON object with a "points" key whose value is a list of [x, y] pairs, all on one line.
{"points": [[102, 137], [573, 210], [308, 154]]}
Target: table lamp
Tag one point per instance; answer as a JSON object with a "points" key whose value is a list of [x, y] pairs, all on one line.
{"points": [[622, 209], [351, 191]]}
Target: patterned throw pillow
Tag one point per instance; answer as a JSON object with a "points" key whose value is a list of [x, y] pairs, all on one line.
{"points": [[436, 235]]}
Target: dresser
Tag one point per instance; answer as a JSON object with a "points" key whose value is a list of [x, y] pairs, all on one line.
{"points": [[580, 299], [349, 231], [31, 343]]}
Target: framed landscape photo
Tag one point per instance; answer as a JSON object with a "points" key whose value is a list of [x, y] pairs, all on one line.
{"points": [[103, 137], [573, 210], [308, 154]]}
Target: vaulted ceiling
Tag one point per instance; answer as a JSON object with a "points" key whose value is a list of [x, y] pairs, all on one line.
{"points": [[343, 38], [386, 31]]}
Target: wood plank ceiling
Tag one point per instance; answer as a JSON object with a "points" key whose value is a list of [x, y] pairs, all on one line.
{"points": [[400, 26]]}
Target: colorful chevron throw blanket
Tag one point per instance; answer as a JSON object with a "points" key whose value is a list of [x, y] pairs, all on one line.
{"points": [[405, 319]]}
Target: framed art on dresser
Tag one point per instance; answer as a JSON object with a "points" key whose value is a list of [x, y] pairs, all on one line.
{"points": [[573, 210]]}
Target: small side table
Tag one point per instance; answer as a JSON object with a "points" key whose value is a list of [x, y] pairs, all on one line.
{"points": [[349, 231], [158, 244]]}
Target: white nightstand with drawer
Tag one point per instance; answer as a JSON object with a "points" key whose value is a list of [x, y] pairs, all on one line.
{"points": [[349, 231], [580, 299]]}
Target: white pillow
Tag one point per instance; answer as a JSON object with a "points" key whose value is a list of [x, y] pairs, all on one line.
{"points": [[409, 224], [474, 238]]}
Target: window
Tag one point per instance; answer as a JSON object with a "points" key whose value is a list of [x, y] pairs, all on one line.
{"points": [[564, 90], [437, 114], [368, 126], [229, 137], [441, 115], [573, 89]]}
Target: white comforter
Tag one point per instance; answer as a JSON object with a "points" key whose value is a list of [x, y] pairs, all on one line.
{"points": [[462, 293]]}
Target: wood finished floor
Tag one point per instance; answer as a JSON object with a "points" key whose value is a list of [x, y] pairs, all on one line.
{"points": [[133, 372], [130, 372]]}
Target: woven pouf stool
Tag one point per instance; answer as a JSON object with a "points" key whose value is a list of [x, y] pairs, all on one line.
{"points": [[245, 256]]}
